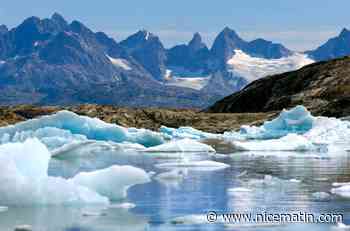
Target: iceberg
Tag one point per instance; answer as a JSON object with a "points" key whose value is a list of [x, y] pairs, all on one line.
{"points": [[343, 191], [184, 145], [290, 142], [185, 132], [297, 120], [65, 126], [112, 182], [25, 181]]}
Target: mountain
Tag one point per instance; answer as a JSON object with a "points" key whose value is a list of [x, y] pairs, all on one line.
{"points": [[148, 50], [334, 48], [323, 87], [228, 41], [193, 56], [52, 61], [49, 61]]}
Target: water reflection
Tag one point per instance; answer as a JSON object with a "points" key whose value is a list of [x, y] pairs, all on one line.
{"points": [[282, 182]]}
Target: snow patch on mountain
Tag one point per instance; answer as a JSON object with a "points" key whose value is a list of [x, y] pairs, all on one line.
{"points": [[187, 79], [122, 63], [253, 68]]}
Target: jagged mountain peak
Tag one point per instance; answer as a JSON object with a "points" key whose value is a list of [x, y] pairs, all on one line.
{"points": [[225, 44], [3, 29], [59, 19], [196, 43], [338, 46], [344, 32]]}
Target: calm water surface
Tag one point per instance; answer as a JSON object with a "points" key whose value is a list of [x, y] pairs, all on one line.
{"points": [[158, 203]]}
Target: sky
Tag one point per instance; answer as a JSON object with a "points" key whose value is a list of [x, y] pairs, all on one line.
{"points": [[298, 24]]}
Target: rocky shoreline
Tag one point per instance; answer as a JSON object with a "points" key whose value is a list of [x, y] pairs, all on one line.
{"points": [[149, 118]]}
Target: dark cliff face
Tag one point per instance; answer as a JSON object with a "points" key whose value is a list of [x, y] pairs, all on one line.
{"points": [[334, 48], [148, 50], [322, 87], [194, 56], [267, 49]]}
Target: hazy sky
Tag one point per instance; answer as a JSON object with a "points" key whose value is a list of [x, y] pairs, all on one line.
{"points": [[298, 24]]}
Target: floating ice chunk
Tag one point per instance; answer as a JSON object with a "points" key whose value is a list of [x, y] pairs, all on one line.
{"points": [[122, 206], [24, 179], [206, 165], [52, 137], [321, 196], [342, 226], [185, 132], [291, 142], [238, 190], [65, 123], [343, 191], [3, 208], [294, 181], [337, 184], [184, 145], [329, 131], [297, 120], [194, 219], [112, 182]]}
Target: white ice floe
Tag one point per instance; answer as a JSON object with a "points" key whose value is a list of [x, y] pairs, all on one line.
{"points": [[342, 226], [253, 68], [122, 63], [297, 120], [122, 206], [206, 165], [194, 219], [343, 191], [238, 190], [184, 145], [185, 132], [25, 181], [321, 196], [293, 130], [291, 142], [112, 182], [65, 127], [337, 184], [180, 77]]}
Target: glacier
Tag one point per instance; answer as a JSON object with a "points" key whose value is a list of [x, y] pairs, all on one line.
{"points": [[24, 179], [253, 68]]}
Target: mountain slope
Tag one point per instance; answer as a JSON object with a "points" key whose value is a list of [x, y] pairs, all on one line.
{"points": [[148, 50], [322, 87], [334, 48], [60, 63]]}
